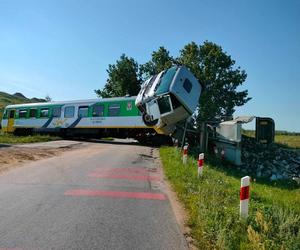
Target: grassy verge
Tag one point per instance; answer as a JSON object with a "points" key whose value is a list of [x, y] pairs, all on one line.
{"points": [[11, 139], [212, 203]]}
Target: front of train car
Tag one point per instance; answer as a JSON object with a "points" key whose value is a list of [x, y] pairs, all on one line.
{"points": [[168, 97]]}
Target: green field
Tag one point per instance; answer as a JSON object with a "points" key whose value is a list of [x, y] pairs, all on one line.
{"points": [[212, 203], [292, 141], [11, 139], [286, 139]]}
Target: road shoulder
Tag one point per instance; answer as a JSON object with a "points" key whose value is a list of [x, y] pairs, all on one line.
{"points": [[178, 208]]}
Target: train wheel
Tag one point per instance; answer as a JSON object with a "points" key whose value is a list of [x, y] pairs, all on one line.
{"points": [[147, 120]]}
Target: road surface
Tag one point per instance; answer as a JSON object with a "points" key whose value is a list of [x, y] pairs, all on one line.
{"points": [[100, 196]]}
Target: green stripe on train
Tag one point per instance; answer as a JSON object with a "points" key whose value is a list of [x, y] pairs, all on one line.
{"points": [[127, 108]]}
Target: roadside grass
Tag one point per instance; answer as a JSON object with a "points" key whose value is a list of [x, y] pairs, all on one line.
{"points": [[212, 203], [11, 139]]}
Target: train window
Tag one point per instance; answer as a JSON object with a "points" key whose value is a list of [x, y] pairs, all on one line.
{"points": [[56, 112], [98, 110], [187, 85], [166, 80], [69, 111], [32, 113], [164, 105], [22, 113], [114, 109], [44, 113], [83, 111]]}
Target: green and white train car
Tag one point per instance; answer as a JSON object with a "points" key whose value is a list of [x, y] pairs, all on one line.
{"points": [[163, 101], [116, 117]]}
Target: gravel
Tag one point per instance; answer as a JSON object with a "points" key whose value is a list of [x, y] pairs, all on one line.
{"points": [[269, 161]]}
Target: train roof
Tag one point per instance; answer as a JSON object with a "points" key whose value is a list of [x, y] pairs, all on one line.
{"points": [[86, 101]]}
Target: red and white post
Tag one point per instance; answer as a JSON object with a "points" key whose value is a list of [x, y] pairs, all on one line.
{"points": [[244, 196], [200, 164], [185, 154]]}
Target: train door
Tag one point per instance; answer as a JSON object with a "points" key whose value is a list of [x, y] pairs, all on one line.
{"points": [[11, 121]]}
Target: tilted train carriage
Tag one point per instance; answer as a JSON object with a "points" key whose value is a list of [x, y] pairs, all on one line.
{"points": [[168, 98], [164, 99], [107, 117]]}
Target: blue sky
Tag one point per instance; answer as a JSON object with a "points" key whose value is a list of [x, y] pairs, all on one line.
{"points": [[62, 48]]}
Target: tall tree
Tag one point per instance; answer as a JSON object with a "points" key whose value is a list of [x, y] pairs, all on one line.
{"points": [[215, 70], [123, 78], [160, 60], [48, 98]]}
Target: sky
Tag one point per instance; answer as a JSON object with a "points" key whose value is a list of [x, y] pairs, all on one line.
{"points": [[62, 48]]}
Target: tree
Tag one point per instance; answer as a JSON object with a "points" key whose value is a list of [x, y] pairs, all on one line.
{"points": [[213, 67], [123, 79], [160, 60], [215, 71], [48, 98]]}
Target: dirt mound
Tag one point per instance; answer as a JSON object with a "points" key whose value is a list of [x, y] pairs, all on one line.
{"points": [[12, 157]]}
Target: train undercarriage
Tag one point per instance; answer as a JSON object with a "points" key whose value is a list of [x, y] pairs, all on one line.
{"points": [[144, 136]]}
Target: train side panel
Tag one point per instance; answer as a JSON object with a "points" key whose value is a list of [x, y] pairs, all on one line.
{"points": [[111, 113]]}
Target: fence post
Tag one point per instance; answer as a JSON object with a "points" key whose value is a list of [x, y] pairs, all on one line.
{"points": [[200, 164], [185, 153], [202, 137], [244, 196]]}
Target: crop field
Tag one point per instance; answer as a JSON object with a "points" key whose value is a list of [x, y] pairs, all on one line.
{"points": [[286, 139], [292, 141], [212, 204]]}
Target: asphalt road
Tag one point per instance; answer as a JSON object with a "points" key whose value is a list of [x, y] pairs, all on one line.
{"points": [[100, 196]]}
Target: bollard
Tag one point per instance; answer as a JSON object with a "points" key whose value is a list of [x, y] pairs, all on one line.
{"points": [[185, 152], [244, 196], [200, 164]]}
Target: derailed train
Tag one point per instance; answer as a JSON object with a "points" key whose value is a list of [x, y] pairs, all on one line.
{"points": [[164, 99]]}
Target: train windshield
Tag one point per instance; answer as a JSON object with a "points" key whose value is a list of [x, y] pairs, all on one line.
{"points": [[166, 81]]}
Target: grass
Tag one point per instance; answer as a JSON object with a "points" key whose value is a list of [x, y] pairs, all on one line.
{"points": [[212, 203], [290, 140], [11, 139]]}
